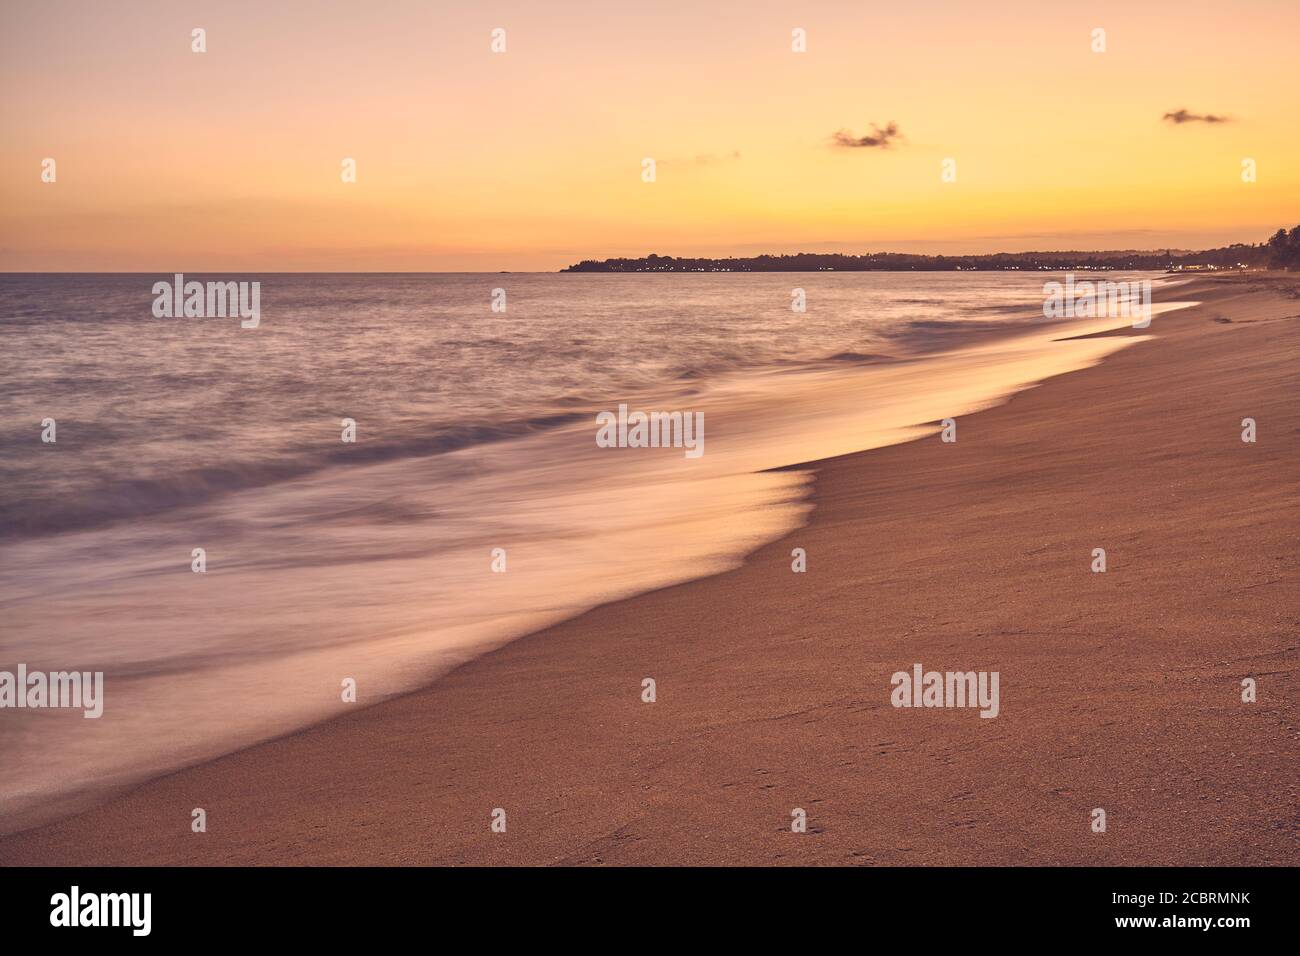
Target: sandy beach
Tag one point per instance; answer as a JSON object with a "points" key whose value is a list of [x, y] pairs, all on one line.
{"points": [[1118, 690]]}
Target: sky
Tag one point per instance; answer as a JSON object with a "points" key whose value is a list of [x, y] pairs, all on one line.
{"points": [[532, 158]]}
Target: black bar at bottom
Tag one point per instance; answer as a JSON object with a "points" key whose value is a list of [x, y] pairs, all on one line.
{"points": [[334, 905]]}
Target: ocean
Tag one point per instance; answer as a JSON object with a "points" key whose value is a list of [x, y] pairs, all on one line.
{"points": [[474, 504]]}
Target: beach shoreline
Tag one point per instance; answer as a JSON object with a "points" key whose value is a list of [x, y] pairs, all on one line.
{"points": [[314, 581], [773, 688]]}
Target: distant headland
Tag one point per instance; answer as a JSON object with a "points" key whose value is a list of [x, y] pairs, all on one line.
{"points": [[1280, 251]]}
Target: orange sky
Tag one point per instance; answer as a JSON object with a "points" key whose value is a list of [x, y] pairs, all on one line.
{"points": [[531, 159]]}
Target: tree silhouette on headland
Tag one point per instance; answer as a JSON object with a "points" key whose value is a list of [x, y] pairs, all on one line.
{"points": [[1284, 249]]}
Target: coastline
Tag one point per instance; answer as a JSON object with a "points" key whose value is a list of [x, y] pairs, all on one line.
{"points": [[773, 688], [203, 666]]}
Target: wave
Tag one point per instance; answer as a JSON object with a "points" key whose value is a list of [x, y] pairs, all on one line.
{"points": [[857, 358], [141, 497]]}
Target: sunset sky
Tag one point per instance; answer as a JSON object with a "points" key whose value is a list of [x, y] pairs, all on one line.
{"points": [[531, 159]]}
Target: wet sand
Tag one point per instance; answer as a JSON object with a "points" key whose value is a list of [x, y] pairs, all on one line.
{"points": [[1119, 691]]}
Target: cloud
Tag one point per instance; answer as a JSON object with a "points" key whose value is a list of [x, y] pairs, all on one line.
{"points": [[1178, 117], [877, 139]]}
